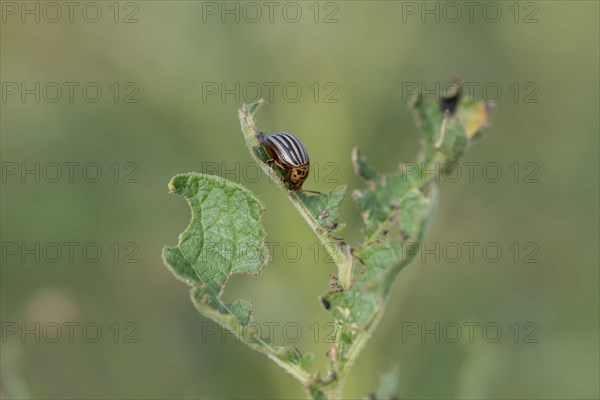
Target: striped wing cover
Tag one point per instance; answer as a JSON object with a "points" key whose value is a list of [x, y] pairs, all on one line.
{"points": [[289, 148]]}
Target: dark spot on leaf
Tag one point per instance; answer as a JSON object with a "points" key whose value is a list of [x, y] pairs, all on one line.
{"points": [[326, 303], [332, 225]]}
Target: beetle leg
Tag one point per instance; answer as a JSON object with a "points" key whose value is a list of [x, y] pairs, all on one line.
{"points": [[280, 165], [311, 191], [288, 180]]}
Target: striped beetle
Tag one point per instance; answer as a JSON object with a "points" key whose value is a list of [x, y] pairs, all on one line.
{"points": [[288, 153]]}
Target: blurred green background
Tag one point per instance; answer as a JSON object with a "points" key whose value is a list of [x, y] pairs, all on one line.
{"points": [[177, 48]]}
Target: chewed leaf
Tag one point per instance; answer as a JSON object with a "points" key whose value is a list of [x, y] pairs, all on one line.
{"points": [[416, 208], [428, 117], [476, 117], [225, 235], [362, 168], [469, 117], [354, 307], [202, 296], [242, 309], [397, 207], [395, 248], [209, 305], [294, 356], [379, 204], [179, 266], [324, 207], [452, 141]]}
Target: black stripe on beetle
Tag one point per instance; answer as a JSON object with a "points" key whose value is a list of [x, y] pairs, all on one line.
{"points": [[285, 151], [289, 148], [298, 148]]}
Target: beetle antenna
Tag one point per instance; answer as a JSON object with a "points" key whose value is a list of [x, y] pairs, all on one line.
{"points": [[311, 191]]}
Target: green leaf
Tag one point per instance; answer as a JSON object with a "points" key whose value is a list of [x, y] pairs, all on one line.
{"points": [[225, 235], [471, 118], [385, 257], [354, 307], [428, 117], [397, 207], [394, 241], [379, 203], [324, 208], [207, 302], [179, 266]]}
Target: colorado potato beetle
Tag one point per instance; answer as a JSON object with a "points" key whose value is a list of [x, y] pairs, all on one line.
{"points": [[287, 152]]}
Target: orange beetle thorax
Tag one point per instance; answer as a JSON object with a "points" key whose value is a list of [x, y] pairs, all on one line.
{"points": [[297, 177]]}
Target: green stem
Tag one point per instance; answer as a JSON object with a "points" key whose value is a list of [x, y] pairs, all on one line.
{"points": [[359, 344], [342, 368], [230, 322], [294, 370]]}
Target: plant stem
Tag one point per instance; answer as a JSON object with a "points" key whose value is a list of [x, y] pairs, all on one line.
{"points": [[297, 372], [334, 391]]}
